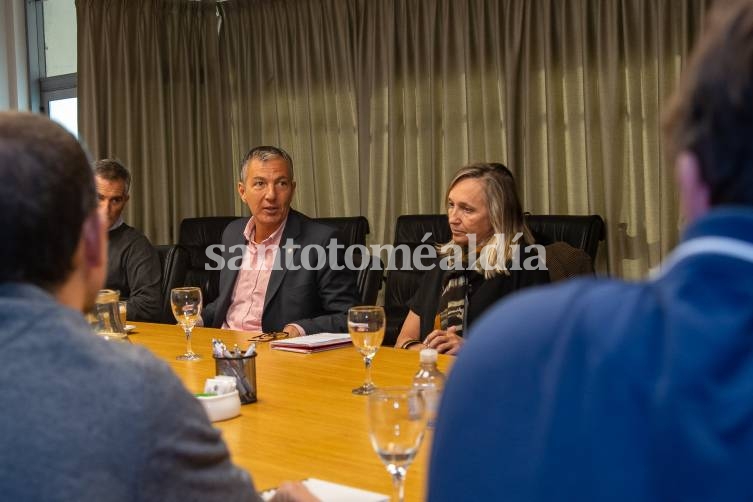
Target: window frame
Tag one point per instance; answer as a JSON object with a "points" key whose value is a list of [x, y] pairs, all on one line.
{"points": [[57, 87], [43, 89]]}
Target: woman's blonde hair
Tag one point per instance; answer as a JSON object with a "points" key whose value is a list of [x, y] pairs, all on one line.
{"points": [[505, 215]]}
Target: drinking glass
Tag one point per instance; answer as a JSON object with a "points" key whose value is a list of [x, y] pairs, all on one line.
{"points": [[123, 310], [397, 421], [105, 318], [186, 304], [366, 327]]}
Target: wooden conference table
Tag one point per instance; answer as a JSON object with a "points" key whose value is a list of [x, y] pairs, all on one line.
{"points": [[306, 422]]}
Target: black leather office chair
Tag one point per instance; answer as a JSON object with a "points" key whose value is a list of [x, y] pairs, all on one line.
{"points": [[195, 235], [369, 279], [401, 284], [174, 261], [583, 232], [352, 229]]}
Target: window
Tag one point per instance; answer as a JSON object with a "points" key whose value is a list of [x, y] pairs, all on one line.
{"points": [[65, 112], [59, 101], [51, 30]]}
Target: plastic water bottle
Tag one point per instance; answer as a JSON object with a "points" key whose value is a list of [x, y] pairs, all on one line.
{"points": [[431, 383]]}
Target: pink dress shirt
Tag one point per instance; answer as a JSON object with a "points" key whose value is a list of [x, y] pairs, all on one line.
{"points": [[247, 303]]}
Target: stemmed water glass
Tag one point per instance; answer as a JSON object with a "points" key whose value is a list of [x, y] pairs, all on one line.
{"points": [[397, 421], [186, 304], [366, 327]]}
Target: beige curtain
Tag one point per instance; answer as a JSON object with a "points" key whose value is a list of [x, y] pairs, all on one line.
{"points": [[380, 101], [150, 93], [291, 71]]}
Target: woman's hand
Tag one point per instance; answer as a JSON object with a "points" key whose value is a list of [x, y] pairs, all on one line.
{"points": [[445, 342]]}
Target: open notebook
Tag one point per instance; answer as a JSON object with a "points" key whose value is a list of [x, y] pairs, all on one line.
{"points": [[333, 492], [313, 343]]}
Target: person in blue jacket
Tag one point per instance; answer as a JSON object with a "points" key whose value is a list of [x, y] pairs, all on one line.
{"points": [[607, 390]]}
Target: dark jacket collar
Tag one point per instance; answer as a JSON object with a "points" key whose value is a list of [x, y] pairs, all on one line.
{"points": [[292, 226]]}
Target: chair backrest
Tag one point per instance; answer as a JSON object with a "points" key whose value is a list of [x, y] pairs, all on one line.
{"points": [[203, 231], [352, 229], [583, 232], [195, 235], [174, 261], [400, 285], [369, 279], [409, 232], [411, 229]]}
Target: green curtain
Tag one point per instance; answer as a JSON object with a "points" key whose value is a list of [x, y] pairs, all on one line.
{"points": [[380, 101]]}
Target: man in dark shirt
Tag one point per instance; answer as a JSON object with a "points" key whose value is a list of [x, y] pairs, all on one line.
{"points": [[133, 266]]}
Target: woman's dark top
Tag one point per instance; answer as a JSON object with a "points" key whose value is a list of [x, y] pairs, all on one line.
{"points": [[482, 293]]}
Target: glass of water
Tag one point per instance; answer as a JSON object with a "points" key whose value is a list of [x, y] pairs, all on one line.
{"points": [[397, 421], [186, 304]]}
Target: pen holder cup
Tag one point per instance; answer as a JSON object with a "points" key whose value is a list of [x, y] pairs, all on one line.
{"points": [[243, 368]]}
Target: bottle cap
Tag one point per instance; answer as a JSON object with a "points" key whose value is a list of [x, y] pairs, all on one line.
{"points": [[428, 356]]}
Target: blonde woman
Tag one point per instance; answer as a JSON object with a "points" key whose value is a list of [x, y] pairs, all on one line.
{"points": [[492, 254]]}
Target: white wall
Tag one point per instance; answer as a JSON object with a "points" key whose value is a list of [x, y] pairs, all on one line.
{"points": [[14, 86]]}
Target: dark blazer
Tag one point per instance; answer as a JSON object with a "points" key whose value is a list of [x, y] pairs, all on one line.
{"points": [[317, 300]]}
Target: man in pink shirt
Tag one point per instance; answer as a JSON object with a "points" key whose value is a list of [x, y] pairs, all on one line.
{"points": [[282, 284]]}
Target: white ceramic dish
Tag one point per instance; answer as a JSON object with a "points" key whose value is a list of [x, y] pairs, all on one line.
{"points": [[129, 327], [221, 407]]}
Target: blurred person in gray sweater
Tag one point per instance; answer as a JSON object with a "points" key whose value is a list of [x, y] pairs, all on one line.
{"points": [[83, 418]]}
